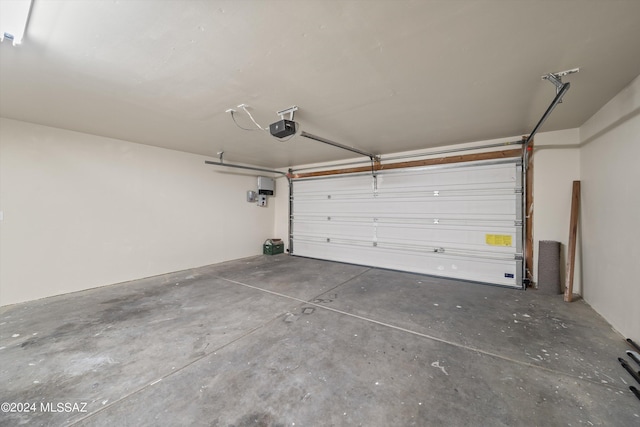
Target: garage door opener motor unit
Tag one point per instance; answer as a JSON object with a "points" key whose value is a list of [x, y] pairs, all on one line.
{"points": [[283, 127]]}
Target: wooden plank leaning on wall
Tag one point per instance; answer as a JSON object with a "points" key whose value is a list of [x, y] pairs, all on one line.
{"points": [[573, 235]]}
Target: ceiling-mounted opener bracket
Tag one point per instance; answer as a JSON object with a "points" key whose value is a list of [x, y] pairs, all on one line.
{"points": [[220, 155], [556, 79], [289, 111], [561, 90]]}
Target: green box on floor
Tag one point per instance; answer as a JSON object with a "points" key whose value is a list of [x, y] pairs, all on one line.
{"points": [[273, 247]]}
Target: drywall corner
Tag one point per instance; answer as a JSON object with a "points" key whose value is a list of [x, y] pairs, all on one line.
{"points": [[566, 138], [624, 106]]}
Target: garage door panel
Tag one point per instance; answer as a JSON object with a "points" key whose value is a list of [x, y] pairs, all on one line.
{"points": [[363, 239], [460, 221], [450, 236], [439, 205], [381, 206], [318, 186], [399, 218], [452, 176], [457, 219], [466, 237], [335, 229], [500, 272]]}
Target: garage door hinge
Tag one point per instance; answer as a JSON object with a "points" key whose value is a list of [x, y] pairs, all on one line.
{"points": [[517, 223], [518, 257]]}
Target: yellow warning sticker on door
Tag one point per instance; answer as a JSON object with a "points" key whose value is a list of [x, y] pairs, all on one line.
{"points": [[498, 239]]}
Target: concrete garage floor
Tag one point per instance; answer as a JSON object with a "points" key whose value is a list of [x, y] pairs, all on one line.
{"points": [[283, 341]]}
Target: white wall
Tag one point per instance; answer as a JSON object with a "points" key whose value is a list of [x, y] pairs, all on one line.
{"points": [[556, 164], [610, 210], [81, 211]]}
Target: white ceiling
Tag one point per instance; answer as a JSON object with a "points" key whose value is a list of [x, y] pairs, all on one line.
{"points": [[383, 76]]}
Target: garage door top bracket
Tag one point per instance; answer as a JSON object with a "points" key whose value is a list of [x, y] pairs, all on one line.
{"points": [[561, 89], [556, 79]]}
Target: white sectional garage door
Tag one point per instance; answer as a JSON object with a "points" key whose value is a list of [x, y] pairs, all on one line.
{"points": [[462, 221]]}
